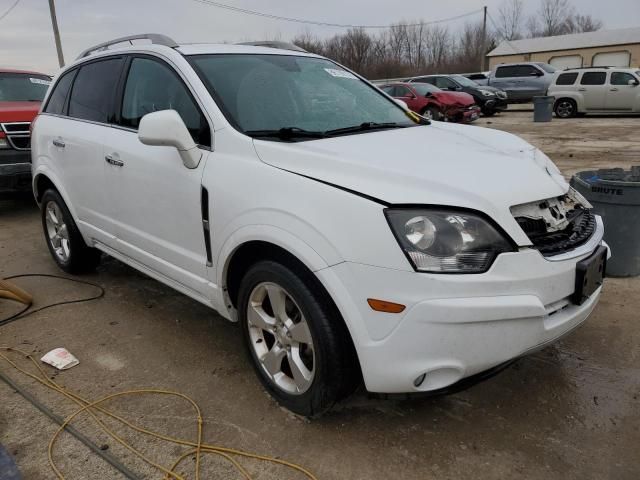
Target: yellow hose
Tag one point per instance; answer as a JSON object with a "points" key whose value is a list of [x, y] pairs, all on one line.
{"points": [[90, 407]]}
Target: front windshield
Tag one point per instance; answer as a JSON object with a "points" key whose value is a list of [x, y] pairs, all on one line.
{"points": [[547, 68], [272, 92], [424, 88], [22, 87], [464, 81]]}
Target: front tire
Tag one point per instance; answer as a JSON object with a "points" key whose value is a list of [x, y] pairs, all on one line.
{"points": [[295, 339], [566, 108], [432, 113], [63, 238]]}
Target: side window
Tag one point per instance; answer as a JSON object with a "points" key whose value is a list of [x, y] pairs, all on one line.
{"points": [[402, 92], [621, 78], [93, 90], [505, 72], [389, 90], [444, 83], [567, 78], [153, 86], [593, 78], [527, 71], [58, 97]]}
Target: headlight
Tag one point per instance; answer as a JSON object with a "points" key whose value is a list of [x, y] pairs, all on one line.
{"points": [[447, 241], [4, 143], [487, 93]]}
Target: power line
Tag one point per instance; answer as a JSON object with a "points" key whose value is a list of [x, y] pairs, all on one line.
{"points": [[325, 24], [15, 4]]}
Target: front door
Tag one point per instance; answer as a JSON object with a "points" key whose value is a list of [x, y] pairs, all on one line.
{"points": [[157, 199], [623, 91]]}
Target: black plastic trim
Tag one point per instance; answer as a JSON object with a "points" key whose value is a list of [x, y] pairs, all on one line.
{"points": [[206, 226]]}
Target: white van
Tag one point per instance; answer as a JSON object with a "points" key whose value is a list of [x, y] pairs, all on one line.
{"points": [[350, 238], [596, 90]]}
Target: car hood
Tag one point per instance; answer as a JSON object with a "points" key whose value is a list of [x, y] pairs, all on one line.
{"points": [[18, 111], [437, 164], [454, 98]]}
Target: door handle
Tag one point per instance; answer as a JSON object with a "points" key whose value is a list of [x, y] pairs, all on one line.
{"points": [[582, 89], [614, 90], [110, 159], [58, 142]]}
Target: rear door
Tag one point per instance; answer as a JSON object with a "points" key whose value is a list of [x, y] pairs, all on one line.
{"points": [[593, 89], [157, 199], [77, 142], [621, 95]]}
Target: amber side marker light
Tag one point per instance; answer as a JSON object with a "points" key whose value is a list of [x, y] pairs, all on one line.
{"points": [[384, 306]]}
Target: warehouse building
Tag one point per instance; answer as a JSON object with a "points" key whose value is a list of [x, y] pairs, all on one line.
{"points": [[613, 48]]}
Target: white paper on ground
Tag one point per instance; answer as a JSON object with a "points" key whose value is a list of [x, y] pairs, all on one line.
{"points": [[60, 358]]}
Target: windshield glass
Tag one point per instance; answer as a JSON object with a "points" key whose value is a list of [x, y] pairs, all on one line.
{"points": [[272, 92], [464, 81], [424, 88], [547, 68], [23, 87]]}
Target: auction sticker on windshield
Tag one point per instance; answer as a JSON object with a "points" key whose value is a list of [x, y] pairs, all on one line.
{"points": [[334, 72], [40, 81]]}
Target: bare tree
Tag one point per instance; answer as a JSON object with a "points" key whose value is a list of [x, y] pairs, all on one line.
{"points": [[510, 17], [552, 18], [582, 23]]}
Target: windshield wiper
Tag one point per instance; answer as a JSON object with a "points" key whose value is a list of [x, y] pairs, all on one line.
{"points": [[363, 127], [287, 133]]}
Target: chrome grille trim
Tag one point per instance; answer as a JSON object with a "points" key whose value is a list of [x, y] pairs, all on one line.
{"points": [[16, 133]]}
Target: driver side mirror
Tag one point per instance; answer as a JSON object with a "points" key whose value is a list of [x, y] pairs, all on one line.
{"points": [[166, 128], [633, 83], [537, 73]]}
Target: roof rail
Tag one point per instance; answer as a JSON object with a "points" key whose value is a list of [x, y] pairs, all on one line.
{"points": [[586, 68], [275, 44], [155, 38]]}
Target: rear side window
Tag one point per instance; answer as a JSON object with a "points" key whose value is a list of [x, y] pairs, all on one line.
{"points": [[593, 78], [567, 78], [58, 97], [153, 86], [93, 90], [622, 78]]}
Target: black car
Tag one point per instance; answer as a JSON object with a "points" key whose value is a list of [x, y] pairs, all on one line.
{"points": [[489, 99]]}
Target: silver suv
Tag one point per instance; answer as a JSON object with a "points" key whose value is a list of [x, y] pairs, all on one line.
{"points": [[522, 81], [596, 90]]}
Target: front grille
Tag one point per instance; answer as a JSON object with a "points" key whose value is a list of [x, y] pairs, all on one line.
{"points": [[18, 134], [582, 225]]}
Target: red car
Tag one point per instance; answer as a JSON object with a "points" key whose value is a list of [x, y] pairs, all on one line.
{"points": [[433, 103], [20, 96]]}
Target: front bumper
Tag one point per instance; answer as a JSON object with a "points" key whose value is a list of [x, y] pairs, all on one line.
{"points": [[463, 114], [15, 170], [496, 105], [454, 326]]}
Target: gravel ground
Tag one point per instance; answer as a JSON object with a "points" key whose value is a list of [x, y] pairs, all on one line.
{"points": [[571, 411]]}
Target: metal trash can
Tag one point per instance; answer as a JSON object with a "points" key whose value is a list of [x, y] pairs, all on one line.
{"points": [[615, 195], [543, 109]]}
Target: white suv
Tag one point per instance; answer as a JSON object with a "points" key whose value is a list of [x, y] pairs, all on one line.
{"points": [[596, 90], [350, 238]]}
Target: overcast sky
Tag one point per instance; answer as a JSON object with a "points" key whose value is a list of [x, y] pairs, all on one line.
{"points": [[26, 39]]}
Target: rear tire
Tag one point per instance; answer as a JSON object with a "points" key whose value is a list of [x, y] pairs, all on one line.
{"points": [[565, 108], [300, 348], [63, 238]]}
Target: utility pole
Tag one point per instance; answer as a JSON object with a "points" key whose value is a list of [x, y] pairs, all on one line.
{"points": [[483, 47], [56, 32]]}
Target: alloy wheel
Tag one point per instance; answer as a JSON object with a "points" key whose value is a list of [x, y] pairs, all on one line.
{"points": [[565, 109], [280, 338], [57, 231]]}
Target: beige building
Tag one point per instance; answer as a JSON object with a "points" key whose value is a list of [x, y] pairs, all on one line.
{"points": [[613, 48]]}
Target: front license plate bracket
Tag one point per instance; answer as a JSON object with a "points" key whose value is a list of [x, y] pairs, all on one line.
{"points": [[590, 274]]}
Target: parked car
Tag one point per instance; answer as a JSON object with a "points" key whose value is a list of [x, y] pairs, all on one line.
{"points": [[433, 103], [596, 90], [20, 95], [489, 99], [481, 78], [522, 81], [352, 240]]}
